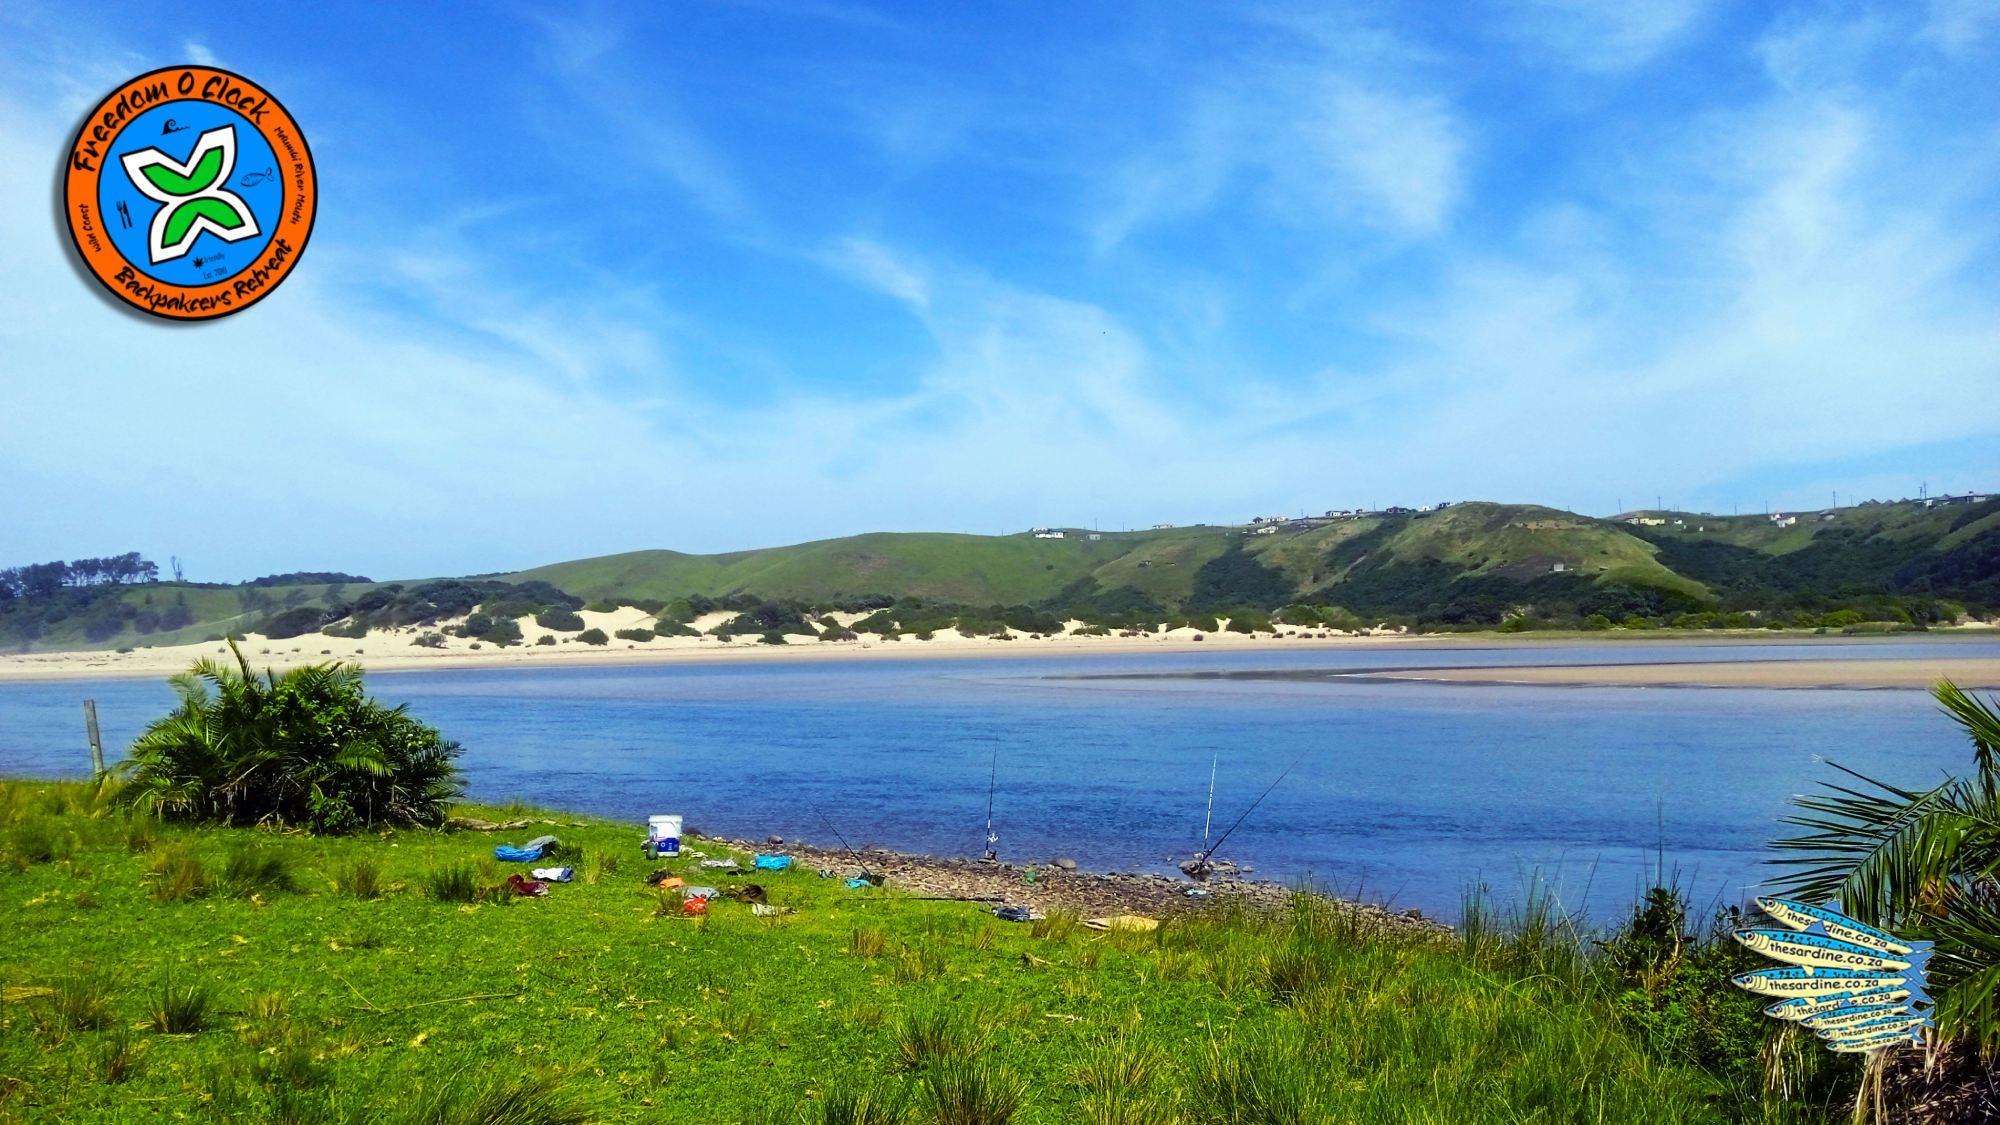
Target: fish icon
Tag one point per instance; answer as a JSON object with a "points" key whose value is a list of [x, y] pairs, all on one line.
{"points": [[1807, 980], [1799, 916], [1849, 1017], [1814, 947], [1802, 1008], [1904, 1024], [254, 178], [1894, 1039]]}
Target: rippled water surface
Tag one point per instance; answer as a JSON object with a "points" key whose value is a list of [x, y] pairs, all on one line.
{"points": [[1405, 792]]}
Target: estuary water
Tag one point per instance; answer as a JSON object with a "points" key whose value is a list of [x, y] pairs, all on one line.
{"points": [[1405, 793]]}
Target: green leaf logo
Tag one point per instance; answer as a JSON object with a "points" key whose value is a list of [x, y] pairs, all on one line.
{"points": [[192, 195]]}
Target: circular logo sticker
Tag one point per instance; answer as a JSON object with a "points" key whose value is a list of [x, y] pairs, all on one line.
{"points": [[190, 192]]}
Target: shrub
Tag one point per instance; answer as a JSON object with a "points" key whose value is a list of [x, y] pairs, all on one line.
{"points": [[529, 1100], [641, 635], [429, 640], [545, 639], [559, 620], [307, 749], [774, 638], [593, 637]]}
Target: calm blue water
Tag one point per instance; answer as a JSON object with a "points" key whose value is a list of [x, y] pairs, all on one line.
{"points": [[1402, 792]]}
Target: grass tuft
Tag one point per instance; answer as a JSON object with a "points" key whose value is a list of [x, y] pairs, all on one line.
{"points": [[456, 883], [867, 943], [971, 1091], [360, 879], [248, 870], [530, 1100], [74, 1003], [933, 1035], [119, 1057], [176, 874], [1057, 925], [181, 1009]]}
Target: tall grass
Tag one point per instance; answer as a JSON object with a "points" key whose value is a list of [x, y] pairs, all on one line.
{"points": [[249, 870], [940, 1033], [527, 1100], [972, 1091], [176, 874], [181, 1009], [455, 883]]}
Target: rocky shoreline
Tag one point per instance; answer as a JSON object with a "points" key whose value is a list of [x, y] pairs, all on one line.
{"points": [[1056, 886]]}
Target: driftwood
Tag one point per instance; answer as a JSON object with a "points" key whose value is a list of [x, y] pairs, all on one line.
{"points": [[474, 824]]}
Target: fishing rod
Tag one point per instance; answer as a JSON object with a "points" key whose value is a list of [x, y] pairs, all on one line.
{"points": [[1199, 867], [1209, 816], [992, 781], [828, 821]]}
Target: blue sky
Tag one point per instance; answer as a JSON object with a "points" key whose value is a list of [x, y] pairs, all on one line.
{"points": [[712, 276]]}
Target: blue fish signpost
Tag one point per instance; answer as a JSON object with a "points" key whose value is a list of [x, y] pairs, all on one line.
{"points": [[1856, 987]]}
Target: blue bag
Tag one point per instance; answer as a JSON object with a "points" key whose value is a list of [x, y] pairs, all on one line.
{"points": [[772, 862]]}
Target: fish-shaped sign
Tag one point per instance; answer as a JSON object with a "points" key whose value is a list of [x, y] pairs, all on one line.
{"points": [[1817, 949], [1804, 980], [1799, 916], [1856, 987], [1848, 1017], [1876, 1043], [1802, 1008]]}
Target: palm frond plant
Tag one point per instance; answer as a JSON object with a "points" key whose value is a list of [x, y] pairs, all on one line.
{"points": [[307, 749], [1921, 863]]}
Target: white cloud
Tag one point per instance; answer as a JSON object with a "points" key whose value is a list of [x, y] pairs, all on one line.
{"points": [[198, 53], [1605, 37], [1336, 128], [1956, 26]]}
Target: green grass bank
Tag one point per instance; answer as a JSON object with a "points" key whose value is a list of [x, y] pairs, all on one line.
{"points": [[154, 972]]}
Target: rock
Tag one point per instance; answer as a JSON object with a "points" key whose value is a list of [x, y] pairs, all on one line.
{"points": [[774, 840], [1064, 863]]}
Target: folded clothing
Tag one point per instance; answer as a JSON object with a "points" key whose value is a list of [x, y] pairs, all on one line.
{"points": [[554, 874], [530, 888]]}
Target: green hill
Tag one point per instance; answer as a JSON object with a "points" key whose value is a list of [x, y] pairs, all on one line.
{"points": [[1467, 565]]}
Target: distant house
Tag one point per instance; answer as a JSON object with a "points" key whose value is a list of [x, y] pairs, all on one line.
{"points": [[1825, 516], [1048, 533], [1558, 568], [1162, 526], [1423, 509], [1968, 498], [1093, 537], [1784, 521], [1267, 529], [1396, 510], [1443, 504], [1647, 521]]}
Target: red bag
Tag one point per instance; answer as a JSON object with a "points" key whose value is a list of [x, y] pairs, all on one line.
{"points": [[694, 906]]}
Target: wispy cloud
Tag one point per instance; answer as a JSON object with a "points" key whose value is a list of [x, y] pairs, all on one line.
{"points": [[1605, 38], [1330, 125]]}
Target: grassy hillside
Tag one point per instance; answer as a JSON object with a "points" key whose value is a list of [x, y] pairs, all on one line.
{"points": [[159, 972], [1469, 565]]}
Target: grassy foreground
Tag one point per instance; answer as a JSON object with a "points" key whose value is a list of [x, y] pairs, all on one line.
{"points": [[152, 972]]}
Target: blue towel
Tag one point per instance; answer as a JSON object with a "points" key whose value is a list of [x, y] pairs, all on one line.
{"points": [[772, 862], [517, 855]]}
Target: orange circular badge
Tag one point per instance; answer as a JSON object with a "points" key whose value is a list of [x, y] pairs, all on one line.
{"points": [[190, 192]]}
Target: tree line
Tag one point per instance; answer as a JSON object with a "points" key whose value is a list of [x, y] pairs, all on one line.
{"points": [[50, 578]]}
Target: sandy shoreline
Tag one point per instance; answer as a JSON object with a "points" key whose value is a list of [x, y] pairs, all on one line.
{"points": [[1982, 673], [396, 651]]}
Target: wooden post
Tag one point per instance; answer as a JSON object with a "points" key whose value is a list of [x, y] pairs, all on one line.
{"points": [[96, 740]]}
